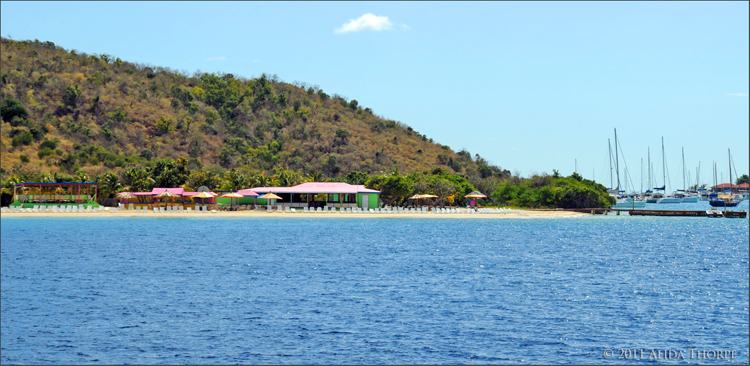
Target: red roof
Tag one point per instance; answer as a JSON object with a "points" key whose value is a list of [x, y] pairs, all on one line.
{"points": [[318, 187], [726, 185]]}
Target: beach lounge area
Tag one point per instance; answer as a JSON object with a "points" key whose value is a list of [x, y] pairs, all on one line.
{"points": [[43, 195], [318, 199]]}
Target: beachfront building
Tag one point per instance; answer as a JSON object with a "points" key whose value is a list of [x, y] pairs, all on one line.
{"points": [[313, 194], [736, 188], [175, 198], [30, 194]]}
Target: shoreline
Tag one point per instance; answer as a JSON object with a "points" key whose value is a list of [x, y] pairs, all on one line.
{"points": [[255, 214]]}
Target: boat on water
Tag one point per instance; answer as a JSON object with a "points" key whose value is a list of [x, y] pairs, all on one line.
{"points": [[690, 199], [666, 198], [670, 199], [724, 200], [686, 196], [729, 199], [714, 213], [628, 203]]}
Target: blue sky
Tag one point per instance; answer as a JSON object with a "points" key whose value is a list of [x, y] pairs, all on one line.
{"points": [[530, 86]]}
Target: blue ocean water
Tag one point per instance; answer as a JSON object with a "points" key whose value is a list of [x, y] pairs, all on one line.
{"points": [[378, 291]]}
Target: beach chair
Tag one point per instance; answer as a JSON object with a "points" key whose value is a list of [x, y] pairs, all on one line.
{"points": [[181, 209], [268, 208], [306, 209], [286, 209], [113, 210], [189, 210]]}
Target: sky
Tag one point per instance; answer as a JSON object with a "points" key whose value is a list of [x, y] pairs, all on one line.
{"points": [[529, 86]]}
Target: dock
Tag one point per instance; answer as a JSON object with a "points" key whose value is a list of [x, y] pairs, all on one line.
{"points": [[741, 214]]}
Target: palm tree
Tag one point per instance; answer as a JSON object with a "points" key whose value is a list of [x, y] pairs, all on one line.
{"points": [[82, 177], [260, 180], [287, 178], [108, 185], [234, 181], [314, 176]]}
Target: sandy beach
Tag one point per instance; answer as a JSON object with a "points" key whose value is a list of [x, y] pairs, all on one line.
{"points": [[129, 213]]}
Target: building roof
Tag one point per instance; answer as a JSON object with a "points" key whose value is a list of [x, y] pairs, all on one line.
{"points": [[247, 192], [179, 191], [726, 185], [318, 187]]}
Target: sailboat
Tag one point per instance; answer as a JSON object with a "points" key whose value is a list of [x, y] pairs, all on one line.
{"points": [[726, 200], [652, 196], [685, 195], [623, 201], [670, 198]]}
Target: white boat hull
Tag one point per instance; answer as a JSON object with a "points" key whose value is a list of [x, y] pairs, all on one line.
{"points": [[669, 200]]}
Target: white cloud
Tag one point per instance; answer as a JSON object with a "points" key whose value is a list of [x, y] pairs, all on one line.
{"points": [[737, 94], [217, 58], [367, 22]]}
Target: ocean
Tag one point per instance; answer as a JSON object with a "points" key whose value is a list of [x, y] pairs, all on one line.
{"points": [[201, 290]]}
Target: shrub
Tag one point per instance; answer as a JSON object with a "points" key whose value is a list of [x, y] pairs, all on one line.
{"points": [[48, 144], [25, 138], [24, 158], [12, 108]]}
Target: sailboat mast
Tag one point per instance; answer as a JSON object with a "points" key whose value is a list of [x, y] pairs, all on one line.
{"points": [[683, 169], [649, 167], [609, 143], [617, 164], [730, 171], [641, 175], [698, 176], [663, 163]]}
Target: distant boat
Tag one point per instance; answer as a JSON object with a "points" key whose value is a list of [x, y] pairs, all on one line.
{"points": [[628, 203], [670, 199], [726, 200], [667, 198]]}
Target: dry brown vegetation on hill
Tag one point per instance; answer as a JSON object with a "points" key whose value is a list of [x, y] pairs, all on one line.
{"points": [[98, 113]]}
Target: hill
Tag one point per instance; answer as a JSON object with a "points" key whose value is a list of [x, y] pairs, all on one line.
{"points": [[70, 116], [101, 113]]}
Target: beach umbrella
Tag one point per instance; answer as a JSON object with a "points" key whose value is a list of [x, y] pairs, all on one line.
{"points": [[201, 195], [416, 197], [167, 194], [125, 195], [475, 194], [269, 196], [232, 195]]}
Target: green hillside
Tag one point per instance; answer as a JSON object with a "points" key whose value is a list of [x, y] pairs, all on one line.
{"points": [[70, 116], [104, 114]]}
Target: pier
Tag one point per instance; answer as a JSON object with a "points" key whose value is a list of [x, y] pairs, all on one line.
{"points": [[641, 212]]}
